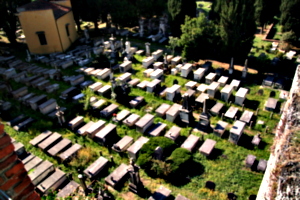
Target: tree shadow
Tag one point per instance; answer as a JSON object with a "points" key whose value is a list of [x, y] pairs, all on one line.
{"points": [[251, 104], [245, 141], [215, 154]]}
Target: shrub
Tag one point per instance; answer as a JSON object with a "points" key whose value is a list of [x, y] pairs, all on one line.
{"points": [[179, 159]]}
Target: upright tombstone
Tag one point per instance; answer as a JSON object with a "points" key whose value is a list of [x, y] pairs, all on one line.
{"points": [[240, 96], [250, 159], [136, 186], [226, 93], [204, 119], [186, 111], [141, 31], [236, 131], [245, 70], [148, 53], [231, 67]]}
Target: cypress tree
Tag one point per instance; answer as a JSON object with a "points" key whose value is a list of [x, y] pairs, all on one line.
{"points": [[290, 16]]}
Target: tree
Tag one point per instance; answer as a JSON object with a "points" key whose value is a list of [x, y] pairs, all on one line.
{"points": [[290, 16], [122, 13], [76, 8], [198, 39], [178, 9], [236, 28], [179, 161], [150, 8], [8, 19], [91, 11], [265, 11], [173, 43]]}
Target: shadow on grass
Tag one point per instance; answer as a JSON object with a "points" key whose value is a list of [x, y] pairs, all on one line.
{"points": [[215, 154], [252, 104], [245, 141]]}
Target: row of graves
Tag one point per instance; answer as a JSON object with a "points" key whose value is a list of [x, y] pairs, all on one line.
{"points": [[43, 174]]}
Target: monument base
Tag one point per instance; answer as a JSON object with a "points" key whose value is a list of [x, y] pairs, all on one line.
{"points": [[204, 123], [186, 116]]}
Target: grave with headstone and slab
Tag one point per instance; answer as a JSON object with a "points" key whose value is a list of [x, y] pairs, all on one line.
{"points": [[220, 128], [142, 85], [210, 78], [223, 80], [40, 172], [125, 66], [148, 61], [268, 81], [144, 123], [172, 91], [173, 112], [236, 131], [20, 92], [235, 84], [190, 85], [124, 77], [134, 103], [173, 133], [105, 90], [74, 123], [134, 149], [122, 115], [98, 104], [70, 152], [190, 142], [202, 88], [157, 74], [109, 110], [212, 89], [49, 142], [226, 93], [48, 106], [77, 80], [246, 116], [103, 74], [134, 82], [240, 96], [198, 74], [131, 120], [32, 162], [153, 86], [83, 130], [16, 120], [207, 147], [157, 129], [156, 54], [271, 104], [262, 165], [107, 136], [200, 99], [250, 159], [60, 147], [123, 144], [96, 167], [52, 182], [186, 69], [41, 137], [215, 110], [175, 61], [94, 128], [161, 193], [231, 112], [162, 109], [158, 65], [68, 190], [23, 124], [117, 176]]}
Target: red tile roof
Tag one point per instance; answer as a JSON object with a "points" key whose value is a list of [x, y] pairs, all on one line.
{"points": [[58, 10]]}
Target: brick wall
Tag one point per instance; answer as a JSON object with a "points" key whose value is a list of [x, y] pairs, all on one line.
{"points": [[14, 180]]}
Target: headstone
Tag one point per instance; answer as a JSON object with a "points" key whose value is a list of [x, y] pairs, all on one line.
{"points": [[260, 92], [202, 88], [20, 92], [135, 185], [109, 110], [107, 136], [186, 69], [148, 53], [204, 119], [256, 140], [250, 159], [240, 96], [236, 131], [145, 122], [271, 104], [117, 175], [160, 194], [125, 66], [16, 120], [231, 67], [96, 127], [212, 89], [173, 112], [268, 81], [190, 142], [103, 74], [262, 165], [207, 147], [59, 147]]}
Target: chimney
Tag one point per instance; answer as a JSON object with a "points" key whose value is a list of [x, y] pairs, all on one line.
{"points": [[14, 180]]}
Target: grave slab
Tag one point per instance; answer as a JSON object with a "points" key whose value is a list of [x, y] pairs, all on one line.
{"points": [[109, 110], [220, 128], [173, 133], [40, 138], [96, 167], [145, 122], [215, 110], [123, 144], [133, 150], [83, 130], [70, 152], [231, 112], [40, 172], [157, 129], [162, 109], [236, 131], [75, 122], [207, 147], [190, 142], [173, 112], [53, 139], [96, 127], [250, 159], [131, 120], [117, 175], [52, 182], [68, 190], [246, 116], [60, 147]]}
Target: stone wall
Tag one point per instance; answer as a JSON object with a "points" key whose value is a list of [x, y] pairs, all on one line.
{"points": [[14, 180], [281, 180]]}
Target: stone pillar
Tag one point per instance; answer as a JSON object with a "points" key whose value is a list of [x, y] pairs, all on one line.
{"points": [[148, 53], [14, 180], [231, 67]]}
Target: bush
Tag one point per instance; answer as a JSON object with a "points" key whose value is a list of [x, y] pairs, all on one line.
{"points": [[179, 160], [42, 125]]}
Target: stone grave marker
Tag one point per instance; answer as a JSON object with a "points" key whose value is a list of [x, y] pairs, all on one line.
{"points": [[105, 90], [40, 138], [158, 65], [156, 54], [116, 177], [148, 61], [134, 82], [133, 150], [212, 89], [74, 123], [148, 72], [157, 129], [153, 85], [231, 112], [134, 103], [77, 80], [262, 165], [142, 85], [60, 147], [271, 104], [215, 110], [35, 161], [220, 128], [180, 197], [256, 140], [173, 112], [83, 130], [131, 120], [96, 167], [23, 124], [176, 60], [186, 69], [20, 92], [162, 109], [145, 122], [207, 147], [161, 193], [123, 144], [172, 91], [96, 127], [36, 101], [122, 115], [70, 152], [107, 136], [109, 110], [173, 133], [124, 77], [268, 81], [250, 159], [41, 172], [52, 88], [95, 86], [240, 96], [48, 106], [210, 78], [49, 142], [246, 116], [98, 104], [52, 182], [157, 74], [236, 131], [68, 190], [235, 84], [190, 142]]}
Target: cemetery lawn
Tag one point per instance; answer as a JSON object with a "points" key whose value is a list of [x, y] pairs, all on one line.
{"points": [[226, 167]]}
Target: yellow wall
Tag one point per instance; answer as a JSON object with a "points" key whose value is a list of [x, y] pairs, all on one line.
{"points": [[66, 3], [61, 25], [34, 21]]}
